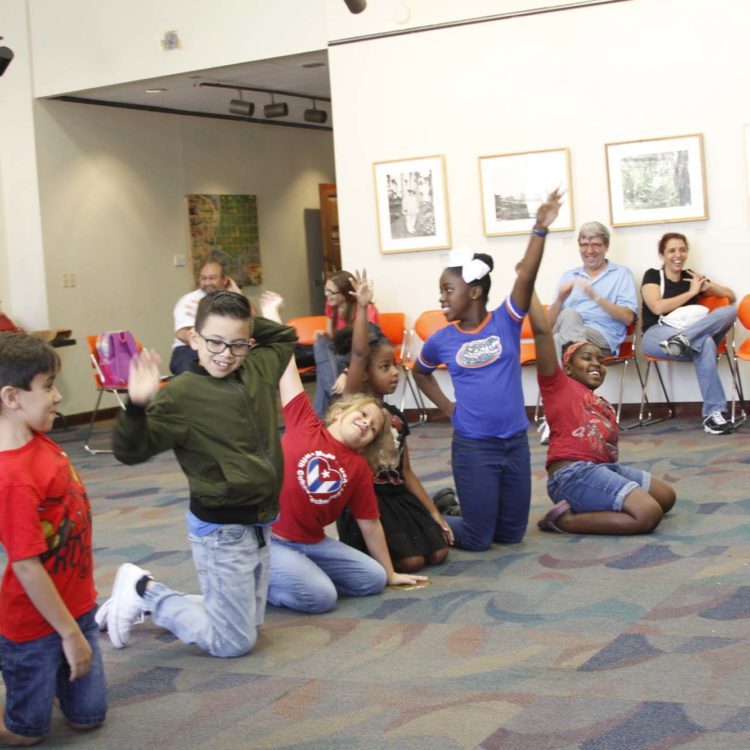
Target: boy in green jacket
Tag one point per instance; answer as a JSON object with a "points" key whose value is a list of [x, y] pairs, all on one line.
{"points": [[220, 418]]}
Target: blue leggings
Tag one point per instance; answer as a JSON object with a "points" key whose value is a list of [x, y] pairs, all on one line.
{"points": [[493, 482]]}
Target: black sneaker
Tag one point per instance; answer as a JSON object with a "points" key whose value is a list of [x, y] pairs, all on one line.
{"points": [[675, 346], [716, 424], [446, 502]]}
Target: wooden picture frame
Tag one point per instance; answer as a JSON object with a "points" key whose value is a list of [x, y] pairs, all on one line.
{"points": [[656, 180], [411, 201], [513, 186]]}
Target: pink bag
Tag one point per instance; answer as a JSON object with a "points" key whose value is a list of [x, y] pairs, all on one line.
{"points": [[114, 350]]}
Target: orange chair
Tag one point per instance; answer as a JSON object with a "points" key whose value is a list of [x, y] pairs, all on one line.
{"points": [[117, 391], [306, 326], [424, 326], [737, 417]]}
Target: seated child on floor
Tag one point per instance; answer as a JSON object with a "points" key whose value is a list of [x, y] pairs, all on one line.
{"points": [[593, 494], [324, 470], [49, 646], [416, 533]]}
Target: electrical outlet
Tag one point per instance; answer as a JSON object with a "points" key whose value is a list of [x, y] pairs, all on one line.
{"points": [[68, 280], [72, 279]]}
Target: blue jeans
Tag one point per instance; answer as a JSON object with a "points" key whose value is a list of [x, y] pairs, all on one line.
{"points": [[590, 487], [309, 577], [327, 369], [36, 671], [705, 335], [232, 565], [493, 483]]}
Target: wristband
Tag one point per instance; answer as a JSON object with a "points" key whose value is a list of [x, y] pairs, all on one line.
{"points": [[539, 232]]}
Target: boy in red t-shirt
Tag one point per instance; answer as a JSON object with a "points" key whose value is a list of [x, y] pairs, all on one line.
{"points": [[592, 492], [48, 635]]}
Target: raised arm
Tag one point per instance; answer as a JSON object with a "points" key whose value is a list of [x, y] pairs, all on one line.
{"points": [[546, 355], [529, 266], [363, 293], [290, 385]]}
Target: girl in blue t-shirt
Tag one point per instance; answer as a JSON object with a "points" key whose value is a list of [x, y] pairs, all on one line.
{"points": [[490, 451]]}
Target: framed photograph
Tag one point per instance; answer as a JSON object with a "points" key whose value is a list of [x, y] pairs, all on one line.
{"points": [[515, 185], [657, 181], [747, 159], [412, 205]]}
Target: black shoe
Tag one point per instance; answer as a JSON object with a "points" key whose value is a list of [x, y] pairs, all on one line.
{"points": [[716, 424], [446, 502], [675, 346]]}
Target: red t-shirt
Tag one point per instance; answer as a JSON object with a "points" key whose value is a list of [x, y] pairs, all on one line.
{"points": [[372, 316], [321, 476], [45, 513], [582, 425], [6, 324]]}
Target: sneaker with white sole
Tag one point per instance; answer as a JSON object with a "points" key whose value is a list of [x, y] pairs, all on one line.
{"points": [[126, 607], [101, 615], [544, 429], [716, 424], [675, 346]]}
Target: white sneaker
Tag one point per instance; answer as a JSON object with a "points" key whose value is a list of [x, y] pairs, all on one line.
{"points": [[544, 429], [101, 615], [126, 607]]}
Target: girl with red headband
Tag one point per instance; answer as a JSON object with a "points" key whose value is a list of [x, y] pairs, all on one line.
{"points": [[592, 492]]}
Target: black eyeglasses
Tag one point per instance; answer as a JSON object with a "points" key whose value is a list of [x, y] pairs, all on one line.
{"points": [[237, 348]]}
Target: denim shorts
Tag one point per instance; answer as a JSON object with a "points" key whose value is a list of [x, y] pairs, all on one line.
{"points": [[588, 486], [36, 671]]}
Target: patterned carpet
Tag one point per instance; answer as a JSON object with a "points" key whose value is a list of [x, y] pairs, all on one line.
{"points": [[563, 642]]}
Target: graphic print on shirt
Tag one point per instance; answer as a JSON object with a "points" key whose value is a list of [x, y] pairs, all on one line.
{"points": [[321, 476], [65, 529], [598, 427], [480, 352]]}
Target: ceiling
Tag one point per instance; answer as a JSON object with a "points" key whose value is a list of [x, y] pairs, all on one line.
{"points": [[305, 74]]}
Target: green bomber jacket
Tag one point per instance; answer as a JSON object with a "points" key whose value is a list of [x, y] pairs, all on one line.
{"points": [[224, 432]]}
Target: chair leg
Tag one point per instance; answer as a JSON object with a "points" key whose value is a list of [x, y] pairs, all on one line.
{"points": [[644, 417], [738, 415], [417, 396], [538, 409]]}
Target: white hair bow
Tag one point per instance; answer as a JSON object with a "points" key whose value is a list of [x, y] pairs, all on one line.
{"points": [[472, 269]]}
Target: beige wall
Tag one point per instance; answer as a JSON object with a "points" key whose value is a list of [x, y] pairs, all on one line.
{"points": [[112, 194], [81, 44], [576, 79]]}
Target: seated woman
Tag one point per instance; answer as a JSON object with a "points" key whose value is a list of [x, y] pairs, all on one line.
{"points": [[592, 492], [673, 287], [340, 308]]}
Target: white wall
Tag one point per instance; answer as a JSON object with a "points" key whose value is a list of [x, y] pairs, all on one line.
{"points": [[576, 79], [81, 44], [113, 183]]}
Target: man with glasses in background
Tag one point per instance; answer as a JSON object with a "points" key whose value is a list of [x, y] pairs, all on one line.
{"points": [[213, 278], [597, 301]]}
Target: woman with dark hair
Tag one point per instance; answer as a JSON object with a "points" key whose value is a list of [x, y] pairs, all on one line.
{"points": [[676, 326], [341, 305]]}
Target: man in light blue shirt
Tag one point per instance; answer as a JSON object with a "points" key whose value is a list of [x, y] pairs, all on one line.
{"points": [[597, 301]]}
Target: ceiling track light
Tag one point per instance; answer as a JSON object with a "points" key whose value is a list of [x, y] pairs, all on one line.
{"points": [[276, 109], [6, 55], [316, 115], [241, 107]]}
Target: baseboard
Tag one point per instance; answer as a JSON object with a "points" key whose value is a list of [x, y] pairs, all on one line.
{"points": [[629, 411], [73, 420]]}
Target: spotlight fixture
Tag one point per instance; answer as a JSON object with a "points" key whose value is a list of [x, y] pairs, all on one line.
{"points": [[241, 107], [316, 115], [276, 109], [356, 6], [6, 55]]}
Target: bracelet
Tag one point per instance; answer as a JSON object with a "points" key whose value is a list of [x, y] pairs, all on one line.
{"points": [[539, 232]]}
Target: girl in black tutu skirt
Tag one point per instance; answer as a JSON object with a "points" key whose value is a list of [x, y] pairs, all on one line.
{"points": [[416, 533]]}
